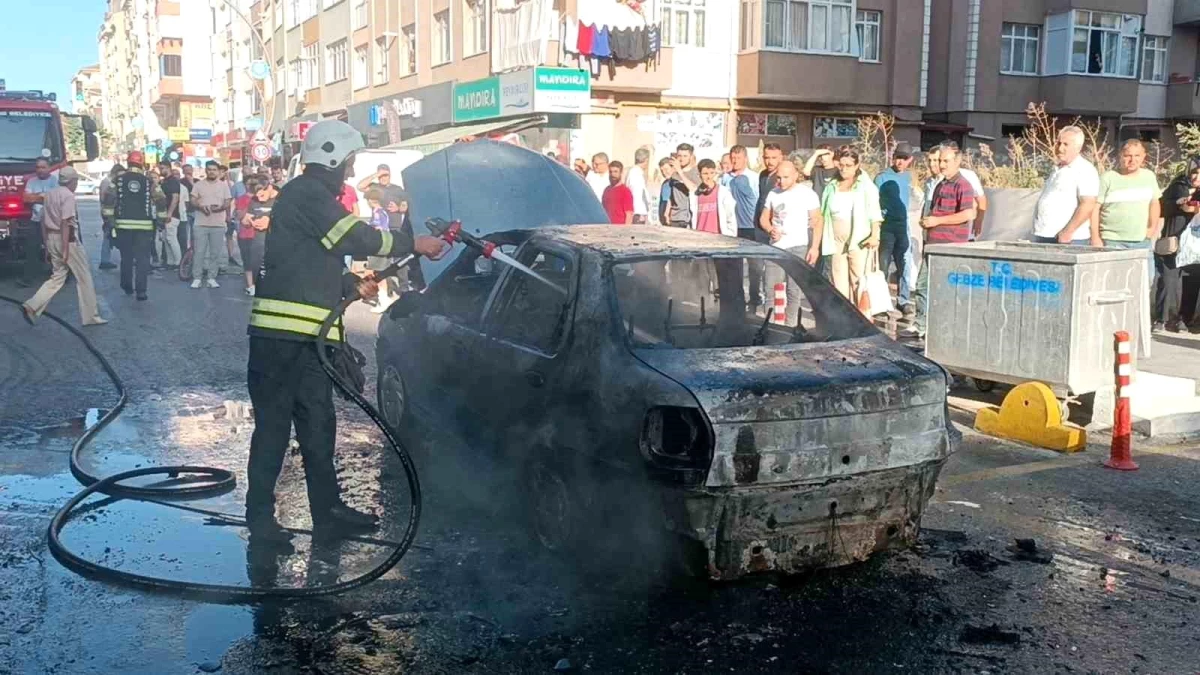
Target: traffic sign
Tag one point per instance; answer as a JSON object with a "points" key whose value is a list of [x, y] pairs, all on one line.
{"points": [[260, 152], [253, 123], [259, 138], [259, 69]]}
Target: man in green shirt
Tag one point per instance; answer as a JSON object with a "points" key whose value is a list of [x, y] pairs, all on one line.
{"points": [[1127, 213]]}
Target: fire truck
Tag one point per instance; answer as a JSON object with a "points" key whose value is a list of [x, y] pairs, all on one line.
{"points": [[31, 127]]}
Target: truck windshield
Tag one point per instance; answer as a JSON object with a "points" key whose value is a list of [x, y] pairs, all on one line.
{"points": [[25, 133], [702, 303]]}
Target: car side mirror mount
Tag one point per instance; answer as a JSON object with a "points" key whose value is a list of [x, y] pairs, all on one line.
{"points": [[406, 305]]}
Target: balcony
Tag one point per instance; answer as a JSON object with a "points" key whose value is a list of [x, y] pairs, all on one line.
{"points": [[1183, 100], [1090, 95], [652, 77], [1187, 12], [820, 78]]}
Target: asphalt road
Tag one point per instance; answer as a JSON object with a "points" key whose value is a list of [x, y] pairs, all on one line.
{"points": [[1118, 592]]}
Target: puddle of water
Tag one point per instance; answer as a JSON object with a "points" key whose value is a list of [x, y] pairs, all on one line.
{"points": [[212, 629]]}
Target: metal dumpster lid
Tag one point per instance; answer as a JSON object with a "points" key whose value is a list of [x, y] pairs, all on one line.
{"points": [[1027, 251]]}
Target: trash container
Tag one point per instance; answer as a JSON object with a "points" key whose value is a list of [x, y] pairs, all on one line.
{"points": [[1017, 311]]}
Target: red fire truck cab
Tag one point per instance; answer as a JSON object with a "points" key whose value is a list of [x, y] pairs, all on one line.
{"points": [[31, 127]]}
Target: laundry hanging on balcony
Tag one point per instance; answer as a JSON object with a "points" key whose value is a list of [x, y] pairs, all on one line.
{"points": [[613, 31]]}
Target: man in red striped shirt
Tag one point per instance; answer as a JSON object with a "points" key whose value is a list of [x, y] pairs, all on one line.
{"points": [[949, 222]]}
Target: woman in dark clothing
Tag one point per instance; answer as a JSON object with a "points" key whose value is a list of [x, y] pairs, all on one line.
{"points": [[1179, 204]]}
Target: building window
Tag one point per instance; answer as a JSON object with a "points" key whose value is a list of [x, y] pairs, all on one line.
{"points": [[278, 14], [868, 27], [441, 38], [1154, 59], [382, 67], [808, 25], [308, 9], [310, 76], [835, 127], [360, 14], [360, 67], [408, 50], [1104, 43], [170, 65], [682, 22], [336, 66], [330, 3], [294, 75], [1019, 49], [1012, 130], [475, 27]]}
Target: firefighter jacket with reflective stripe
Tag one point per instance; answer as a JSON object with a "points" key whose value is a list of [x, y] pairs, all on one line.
{"points": [[303, 277], [134, 202]]}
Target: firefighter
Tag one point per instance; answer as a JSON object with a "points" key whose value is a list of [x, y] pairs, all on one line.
{"points": [[133, 218], [301, 280]]}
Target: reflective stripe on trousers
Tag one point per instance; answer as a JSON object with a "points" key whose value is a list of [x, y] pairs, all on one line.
{"points": [[122, 224]]}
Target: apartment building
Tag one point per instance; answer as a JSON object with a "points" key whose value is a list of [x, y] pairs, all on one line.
{"points": [[240, 80], [1130, 64], [156, 68], [87, 93], [807, 70]]}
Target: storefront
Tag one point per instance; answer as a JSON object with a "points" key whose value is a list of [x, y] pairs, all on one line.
{"points": [[392, 119], [534, 107]]}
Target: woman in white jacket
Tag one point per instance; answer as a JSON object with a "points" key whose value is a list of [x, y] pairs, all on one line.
{"points": [[713, 206]]}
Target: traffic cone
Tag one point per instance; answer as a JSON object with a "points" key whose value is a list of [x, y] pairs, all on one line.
{"points": [[1121, 452]]}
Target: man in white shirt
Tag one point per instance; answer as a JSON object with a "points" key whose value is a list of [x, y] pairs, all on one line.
{"points": [[791, 210], [1064, 210], [635, 180], [598, 178]]}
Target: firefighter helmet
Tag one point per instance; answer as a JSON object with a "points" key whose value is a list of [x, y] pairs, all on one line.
{"points": [[329, 143]]}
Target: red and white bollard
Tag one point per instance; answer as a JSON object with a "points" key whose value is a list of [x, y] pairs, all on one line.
{"points": [[780, 304], [1121, 454]]}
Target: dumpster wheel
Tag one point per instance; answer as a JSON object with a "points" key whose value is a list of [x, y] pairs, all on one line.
{"points": [[983, 385]]}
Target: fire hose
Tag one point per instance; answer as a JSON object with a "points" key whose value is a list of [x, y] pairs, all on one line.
{"points": [[184, 482]]}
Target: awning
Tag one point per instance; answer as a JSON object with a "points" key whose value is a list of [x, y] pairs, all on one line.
{"points": [[436, 140]]}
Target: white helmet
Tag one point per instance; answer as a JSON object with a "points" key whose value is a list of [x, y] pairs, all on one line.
{"points": [[329, 142]]}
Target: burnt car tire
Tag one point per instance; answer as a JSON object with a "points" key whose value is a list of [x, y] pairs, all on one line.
{"points": [[392, 396], [555, 510]]}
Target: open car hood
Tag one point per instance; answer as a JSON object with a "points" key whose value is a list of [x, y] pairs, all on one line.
{"points": [[495, 187]]}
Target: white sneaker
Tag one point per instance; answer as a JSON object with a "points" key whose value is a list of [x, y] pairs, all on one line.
{"points": [[250, 291], [212, 283], [196, 283]]}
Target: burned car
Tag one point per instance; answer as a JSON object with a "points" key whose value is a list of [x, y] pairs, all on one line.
{"points": [[623, 369]]}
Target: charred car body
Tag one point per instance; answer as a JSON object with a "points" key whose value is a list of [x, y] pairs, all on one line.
{"points": [[632, 362]]}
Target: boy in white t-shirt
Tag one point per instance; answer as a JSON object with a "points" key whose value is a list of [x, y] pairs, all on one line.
{"points": [[792, 209]]}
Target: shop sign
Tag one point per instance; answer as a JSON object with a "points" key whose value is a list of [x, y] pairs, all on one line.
{"points": [[562, 90], [476, 100], [178, 134], [200, 135]]}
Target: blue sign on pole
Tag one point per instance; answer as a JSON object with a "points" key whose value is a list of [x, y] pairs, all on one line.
{"points": [[259, 70], [253, 123], [200, 134], [150, 149]]}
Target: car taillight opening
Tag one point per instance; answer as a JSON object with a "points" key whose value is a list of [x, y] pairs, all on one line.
{"points": [[677, 444], [10, 206]]}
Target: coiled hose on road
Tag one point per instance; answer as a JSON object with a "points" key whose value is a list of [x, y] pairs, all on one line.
{"points": [[194, 482]]}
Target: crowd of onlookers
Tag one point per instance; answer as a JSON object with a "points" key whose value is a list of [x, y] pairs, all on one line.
{"points": [[827, 210]]}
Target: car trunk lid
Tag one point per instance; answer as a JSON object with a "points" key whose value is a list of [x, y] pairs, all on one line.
{"points": [[805, 412]]}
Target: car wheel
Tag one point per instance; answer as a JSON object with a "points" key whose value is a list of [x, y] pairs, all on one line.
{"points": [[553, 508], [393, 401]]}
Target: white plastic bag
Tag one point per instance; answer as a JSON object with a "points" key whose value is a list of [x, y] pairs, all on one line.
{"points": [[874, 296], [1189, 245]]}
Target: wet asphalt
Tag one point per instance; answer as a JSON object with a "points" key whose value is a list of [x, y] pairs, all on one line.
{"points": [[1110, 584]]}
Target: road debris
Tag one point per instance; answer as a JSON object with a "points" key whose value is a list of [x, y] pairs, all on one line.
{"points": [[1026, 550], [977, 560]]}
